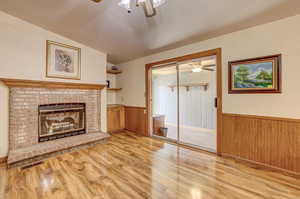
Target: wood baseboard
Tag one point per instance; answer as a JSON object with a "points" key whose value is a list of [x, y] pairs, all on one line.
{"points": [[261, 166]]}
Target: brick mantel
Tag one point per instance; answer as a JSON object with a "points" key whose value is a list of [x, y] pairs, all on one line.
{"points": [[50, 84]]}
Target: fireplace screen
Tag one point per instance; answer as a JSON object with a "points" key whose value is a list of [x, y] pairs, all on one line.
{"points": [[61, 120]]}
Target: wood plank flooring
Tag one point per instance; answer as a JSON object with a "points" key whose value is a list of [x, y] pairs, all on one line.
{"points": [[130, 167]]}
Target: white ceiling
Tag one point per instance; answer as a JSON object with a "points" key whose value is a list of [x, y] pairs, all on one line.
{"points": [[109, 28]]}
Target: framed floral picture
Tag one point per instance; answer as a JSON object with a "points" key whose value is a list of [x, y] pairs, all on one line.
{"points": [[63, 61], [256, 75]]}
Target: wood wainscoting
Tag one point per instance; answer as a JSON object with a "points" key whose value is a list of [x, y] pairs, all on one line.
{"points": [[135, 119], [269, 141]]}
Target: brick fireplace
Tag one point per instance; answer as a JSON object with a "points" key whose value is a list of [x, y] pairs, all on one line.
{"points": [[47, 117]]}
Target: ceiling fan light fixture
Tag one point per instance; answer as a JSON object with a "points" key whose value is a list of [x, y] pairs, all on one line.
{"points": [[125, 4], [197, 70], [148, 5], [157, 3]]}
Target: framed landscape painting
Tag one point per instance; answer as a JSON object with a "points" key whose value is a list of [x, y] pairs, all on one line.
{"points": [[63, 61], [257, 75]]}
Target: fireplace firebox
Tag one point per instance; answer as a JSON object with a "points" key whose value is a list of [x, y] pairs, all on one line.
{"points": [[61, 120]]}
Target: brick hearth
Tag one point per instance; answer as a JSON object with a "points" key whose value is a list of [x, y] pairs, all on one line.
{"points": [[23, 120], [46, 148]]}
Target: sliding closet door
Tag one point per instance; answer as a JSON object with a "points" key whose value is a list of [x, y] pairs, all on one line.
{"points": [[197, 112], [164, 102]]}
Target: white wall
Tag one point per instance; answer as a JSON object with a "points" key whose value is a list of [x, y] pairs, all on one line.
{"points": [[277, 37], [23, 56]]}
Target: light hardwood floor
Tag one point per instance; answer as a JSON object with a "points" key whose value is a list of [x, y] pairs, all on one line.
{"points": [[131, 167]]}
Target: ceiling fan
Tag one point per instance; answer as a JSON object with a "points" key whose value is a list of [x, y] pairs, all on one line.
{"points": [[149, 6], [199, 67]]}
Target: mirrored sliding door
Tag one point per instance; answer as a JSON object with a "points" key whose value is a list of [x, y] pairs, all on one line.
{"points": [[165, 102], [197, 111], [183, 102]]}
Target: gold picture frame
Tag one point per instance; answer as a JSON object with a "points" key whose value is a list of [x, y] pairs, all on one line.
{"points": [[255, 75], [62, 61]]}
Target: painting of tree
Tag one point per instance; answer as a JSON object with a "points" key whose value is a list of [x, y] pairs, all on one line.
{"points": [[255, 75]]}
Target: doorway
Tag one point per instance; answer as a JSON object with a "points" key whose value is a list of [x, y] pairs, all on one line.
{"points": [[184, 100]]}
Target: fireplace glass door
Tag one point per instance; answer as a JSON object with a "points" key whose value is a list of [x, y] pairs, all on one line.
{"points": [[61, 120]]}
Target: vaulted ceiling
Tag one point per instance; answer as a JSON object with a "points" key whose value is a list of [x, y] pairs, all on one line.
{"points": [[108, 28]]}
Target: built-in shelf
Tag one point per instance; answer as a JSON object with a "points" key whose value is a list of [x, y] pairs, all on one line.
{"points": [[114, 89], [187, 86], [115, 72]]}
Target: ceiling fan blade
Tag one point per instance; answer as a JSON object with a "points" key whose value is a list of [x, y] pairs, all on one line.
{"points": [[149, 10], [209, 67], [97, 1]]}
